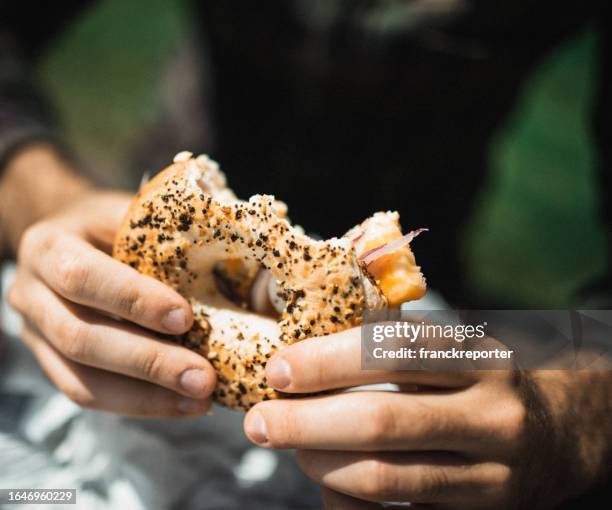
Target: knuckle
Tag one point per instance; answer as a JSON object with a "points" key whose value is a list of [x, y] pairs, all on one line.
{"points": [[153, 365], [30, 240], [72, 337], [72, 274], [499, 482], [513, 420], [381, 481], [503, 476], [505, 421], [432, 483], [432, 423], [381, 424], [131, 303]]}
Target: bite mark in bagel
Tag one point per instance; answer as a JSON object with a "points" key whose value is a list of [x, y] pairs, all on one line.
{"points": [[187, 228]]}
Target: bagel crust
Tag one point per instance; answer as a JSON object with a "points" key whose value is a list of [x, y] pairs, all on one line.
{"points": [[185, 223]]}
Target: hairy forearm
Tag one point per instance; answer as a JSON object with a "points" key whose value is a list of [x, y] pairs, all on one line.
{"points": [[36, 182], [579, 404]]}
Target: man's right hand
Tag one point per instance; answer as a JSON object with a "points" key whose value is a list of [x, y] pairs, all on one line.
{"points": [[91, 320]]}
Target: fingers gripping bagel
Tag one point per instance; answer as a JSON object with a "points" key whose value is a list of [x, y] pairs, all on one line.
{"points": [[255, 282]]}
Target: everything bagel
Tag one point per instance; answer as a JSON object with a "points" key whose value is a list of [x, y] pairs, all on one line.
{"points": [[255, 282]]}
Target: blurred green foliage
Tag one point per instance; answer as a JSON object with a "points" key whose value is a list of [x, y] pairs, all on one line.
{"points": [[103, 74], [535, 237]]}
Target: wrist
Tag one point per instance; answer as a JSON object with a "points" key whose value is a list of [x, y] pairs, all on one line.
{"points": [[36, 182]]}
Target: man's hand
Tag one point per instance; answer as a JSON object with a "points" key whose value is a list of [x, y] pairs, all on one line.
{"points": [[85, 316], [473, 440]]}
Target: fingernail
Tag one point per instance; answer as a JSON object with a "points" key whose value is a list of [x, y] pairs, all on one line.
{"points": [[175, 321], [255, 428], [190, 406], [279, 373], [194, 382]]}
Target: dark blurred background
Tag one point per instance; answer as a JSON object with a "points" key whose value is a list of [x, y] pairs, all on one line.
{"points": [[125, 77]]}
